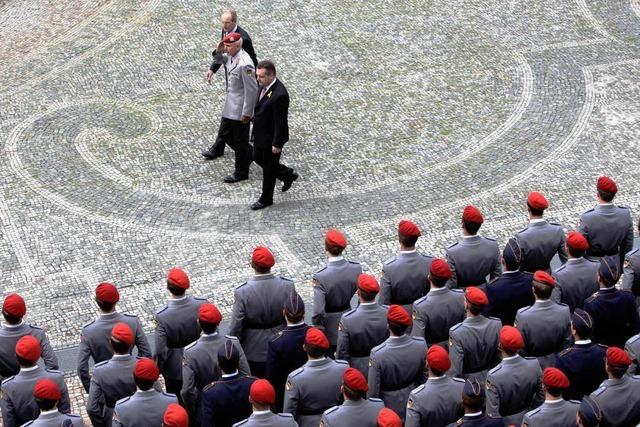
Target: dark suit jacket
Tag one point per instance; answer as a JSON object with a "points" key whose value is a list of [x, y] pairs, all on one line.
{"points": [[507, 294], [247, 46], [270, 121]]}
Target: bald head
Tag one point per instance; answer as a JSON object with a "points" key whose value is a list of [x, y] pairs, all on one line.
{"points": [[229, 19]]}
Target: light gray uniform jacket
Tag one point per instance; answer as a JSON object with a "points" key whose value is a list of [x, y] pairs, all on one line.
{"points": [[619, 400], [438, 402], [546, 329], [472, 259], [539, 242], [18, 404], [631, 278], [268, 419], [557, 413], [257, 313], [437, 312], [395, 368], [513, 388], [143, 409], [360, 330], [312, 389], [361, 413], [55, 419], [609, 230], [404, 279], [632, 346], [334, 286], [241, 85], [9, 336], [473, 347], [576, 281]]}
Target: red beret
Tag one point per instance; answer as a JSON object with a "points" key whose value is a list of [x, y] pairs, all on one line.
{"points": [[209, 313], [263, 257], [14, 305], [28, 347], [398, 314], [438, 358], [555, 378], [175, 416], [336, 238], [146, 369], [472, 214], [316, 337], [122, 332], [46, 389], [179, 278], [537, 201], [511, 338], [107, 292], [368, 283], [544, 278], [231, 38], [262, 392], [354, 380], [388, 418], [476, 296], [409, 228], [618, 357], [440, 269], [607, 184], [577, 241]]}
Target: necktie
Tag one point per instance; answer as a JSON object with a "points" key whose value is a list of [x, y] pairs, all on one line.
{"points": [[264, 90]]}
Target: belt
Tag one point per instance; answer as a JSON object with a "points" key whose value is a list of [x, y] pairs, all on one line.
{"points": [[359, 354], [306, 412], [333, 310], [262, 326], [475, 370], [398, 386]]}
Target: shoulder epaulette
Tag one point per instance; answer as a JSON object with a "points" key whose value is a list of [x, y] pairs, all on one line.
{"points": [[624, 207], [123, 400], [169, 394], [6, 380], [374, 399], [241, 285], [600, 390], [209, 386], [523, 309], [494, 318], [565, 351], [457, 291], [418, 389], [591, 298], [496, 369], [90, 322], [231, 337], [530, 358], [589, 211], [200, 298], [419, 339], [452, 245], [286, 279], [491, 239], [130, 315], [239, 423], [104, 362], [556, 224], [632, 252], [633, 339], [562, 267], [297, 372], [332, 409], [321, 270], [378, 347], [602, 345], [162, 309], [524, 229], [390, 260], [635, 377], [28, 424], [458, 380], [575, 402], [353, 262], [349, 313], [419, 301], [40, 328], [285, 415], [493, 280], [453, 328], [532, 413], [191, 345], [426, 256], [563, 304], [342, 362]]}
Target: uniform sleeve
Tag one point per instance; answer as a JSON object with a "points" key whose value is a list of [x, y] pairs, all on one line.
{"points": [[627, 243], [374, 377], [141, 341], [526, 421], [633, 368], [161, 345], [453, 282], [243, 364], [538, 398], [65, 403], [556, 293], [291, 397], [562, 250], [456, 354], [250, 90], [48, 355], [206, 411], [493, 399], [419, 325], [583, 228], [413, 414], [270, 365], [634, 319], [342, 349], [567, 338], [95, 404], [116, 418], [237, 316], [319, 298], [8, 411], [280, 121], [324, 421], [385, 289], [497, 267], [189, 391], [84, 352], [627, 279]]}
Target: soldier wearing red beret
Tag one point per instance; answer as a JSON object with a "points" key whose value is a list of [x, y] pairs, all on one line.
{"points": [[262, 396], [47, 394], [474, 257], [607, 227], [404, 276], [257, 312], [631, 277], [540, 240], [333, 287], [555, 410]]}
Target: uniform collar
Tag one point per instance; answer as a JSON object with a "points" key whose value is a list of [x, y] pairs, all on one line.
{"points": [[553, 401], [510, 358], [582, 342], [437, 379], [8, 326], [537, 220], [511, 272], [543, 302], [471, 237], [230, 375], [575, 259], [367, 304], [28, 370], [295, 325], [121, 357], [49, 414], [441, 290], [410, 251], [318, 362], [473, 414], [110, 314], [607, 290], [331, 258]]}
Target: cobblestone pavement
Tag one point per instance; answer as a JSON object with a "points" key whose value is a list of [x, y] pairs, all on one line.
{"points": [[399, 109]]}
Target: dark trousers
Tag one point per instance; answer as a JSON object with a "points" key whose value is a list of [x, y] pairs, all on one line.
{"points": [[235, 134], [272, 169], [174, 386], [257, 368]]}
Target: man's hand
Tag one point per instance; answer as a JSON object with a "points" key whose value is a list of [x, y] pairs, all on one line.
{"points": [[208, 76], [245, 119], [276, 150], [220, 49]]}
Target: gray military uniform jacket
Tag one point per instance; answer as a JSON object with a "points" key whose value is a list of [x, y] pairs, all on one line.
{"points": [[312, 389], [18, 404], [619, 401], [257, 313], [553, 413], [609, 230], [438, 402], [176, 327], [546, 329], [112, 380], [472, 259], [360, 330], [404, 279], [513, 388], [631, 278], [268, 419], [143, 409], [334, 286], [632, 346], [9, 336], [200, 368], [473, 347], [395, 368], [436, 313], [95, 341], [361, 413], [576, 281], [539, 242], [55, 419], [241, 85]]}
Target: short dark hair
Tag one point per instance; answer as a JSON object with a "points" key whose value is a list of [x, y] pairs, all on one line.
{"points": [[397, 328], [314, 351], [474, 309], [576, 253], [436, 372], [175, 290], [143, 385], [605, 195], [10, 318], [473, 403], [25, 362], [555, 392], [534, 211], [367, 296], [618, 371], [407, 241], [105, 306], [352, 394], [260, 269], [541, 290], [333, 250], [438, 282], [46, 404], [267, 65], [208, 328], [119, 347], [471, 227]]}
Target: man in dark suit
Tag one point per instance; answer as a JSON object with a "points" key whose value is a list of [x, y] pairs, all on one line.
{"points": [[229, 21], [270, 133]]}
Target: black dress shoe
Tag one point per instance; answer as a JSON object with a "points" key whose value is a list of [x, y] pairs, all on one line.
{"points": [[211, 155], [230, 179], [289, 182], [259, 205]]}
